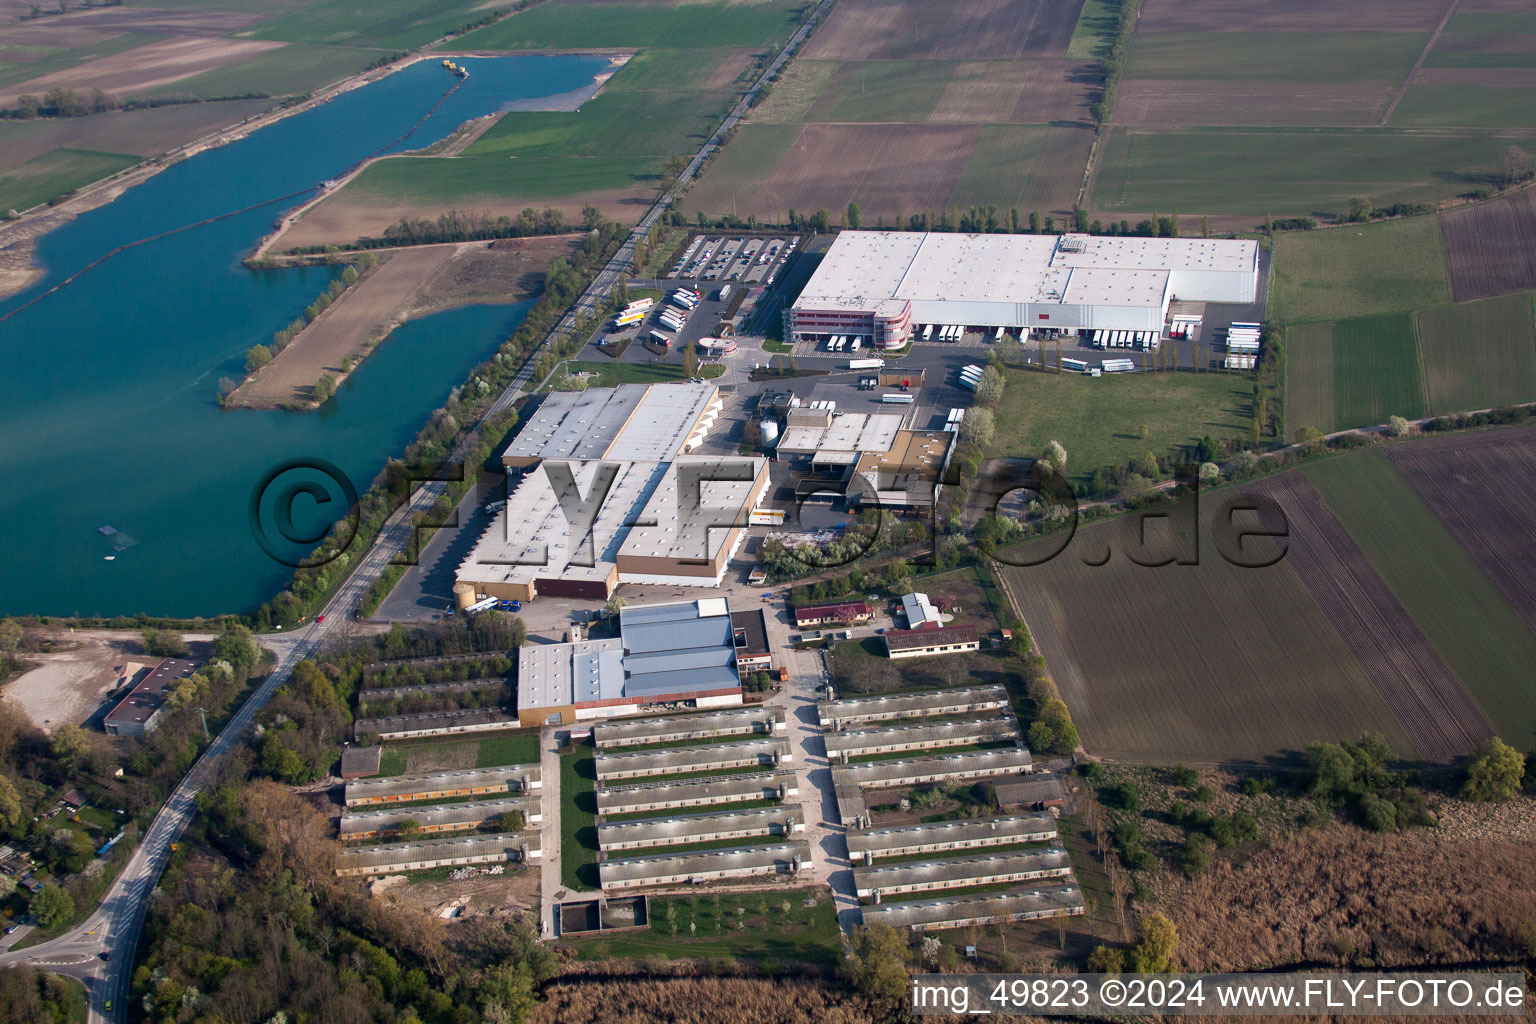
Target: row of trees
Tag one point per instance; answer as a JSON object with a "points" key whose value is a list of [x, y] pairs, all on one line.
{"points": [[258, 356]]}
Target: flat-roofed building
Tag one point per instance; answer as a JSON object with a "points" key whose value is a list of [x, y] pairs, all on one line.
{"points": [[909, 474], [834, 440], [361, 762], [1037, 793], [645, 422], [719, 789], [961, 872], [939, 836], [750, 629], [694, 521], [136, 713], [784, 858], [921, 736], [844, 613], [516, 778], [434, 723], [839, 714], [879, 284], [385, 858], [678, 653], [708, 827], [923, 643], [969, 765], [1021, 904], [432, 818], [633, 764], [633, 732]]}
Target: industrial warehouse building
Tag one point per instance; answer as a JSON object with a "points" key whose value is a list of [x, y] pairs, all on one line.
{"points": [[430, 818], [708, 827], [839, 714], [635, 764], [880, 285], [988, 908], [617, 463], [516, 778], [718, 789], [873, 844], [435, 853], [784, 858], [683, 652], [135, 714], [961, 872], [632, 732]]}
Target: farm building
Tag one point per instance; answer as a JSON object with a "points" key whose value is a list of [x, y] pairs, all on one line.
{"points": [[434, 723], [919, 611], [719, 789], [680, 653], [920, 736], [361, 762], [135, 714], [705, 865], [879, 285], [961, 872], [632, 732], [516, 778], [837, 714], [430, 818], [750, 629], [936, 837], [988, 908], [970, 765], [1039, 793], [920, 643], [679, 760], [708, 827], [385, 858], [847, 613]]}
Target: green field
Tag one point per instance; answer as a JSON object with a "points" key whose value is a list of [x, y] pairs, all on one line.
{"points": [[386, 24], [790, 98], [1466, 106], [1452, 602], [567, 24], [473, 752], [754, 925], [578, 819], [1484, 59], [1493, 23], [53, 174], [619, 123], [741, 169], [1028, 167], [1274, 56], [1286, 172], [1478, 355], [1095, 30], [1359, 269], [1097, 419], [1309, 377], [1353, 373], [292, 70], [466, 180], [882, 91]]}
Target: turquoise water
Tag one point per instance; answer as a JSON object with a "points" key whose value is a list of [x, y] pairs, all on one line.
{"points": [[107, 387]]}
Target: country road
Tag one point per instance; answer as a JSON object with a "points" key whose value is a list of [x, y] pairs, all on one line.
{"points": [[114, 927]]}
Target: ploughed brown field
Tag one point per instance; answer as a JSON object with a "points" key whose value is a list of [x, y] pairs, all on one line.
{"points": [[1178, 103], [143, 68], [1026, 92], [1483, 488], [1200, 663], [1492, 246], [1289, 15], [1435, 712], [924, 29], [144, 132]]}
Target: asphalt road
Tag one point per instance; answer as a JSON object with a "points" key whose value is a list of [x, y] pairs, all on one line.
{"points": [[114, 927]]}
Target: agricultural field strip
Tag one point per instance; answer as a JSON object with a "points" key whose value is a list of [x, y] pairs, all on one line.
{"points": [[1479, 354], [1420, 689], [1491, 247], [1482, 487]]}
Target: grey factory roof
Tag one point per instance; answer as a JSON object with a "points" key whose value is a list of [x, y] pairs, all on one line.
{"points": [[559, 675], [681, 828], [973, 730], [681, 759], [368, 693], [646, 422], [664, 728], [666, 418], [665, 647], [749, 786], [675, 526], [978, 866], [891, 773], [863, 269], [432, 720], [1020, 900], [932, 702], [428, 815], [383, 855], [1007, 828], [848, 433], [702, 863], [435, 782]]}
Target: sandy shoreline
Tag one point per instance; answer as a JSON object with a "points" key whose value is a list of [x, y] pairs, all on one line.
{"points": [[18, 238]]}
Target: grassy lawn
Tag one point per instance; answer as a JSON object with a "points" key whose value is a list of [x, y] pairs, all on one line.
{"points": [[471, 752], [1474, 629], [1359, 269], [578, 819], [386, 24], [1478, 355], [509, 748], [1099, 420], [566, 24], [53, 174], [613, 374], [754, 925], [1286, 172]]}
